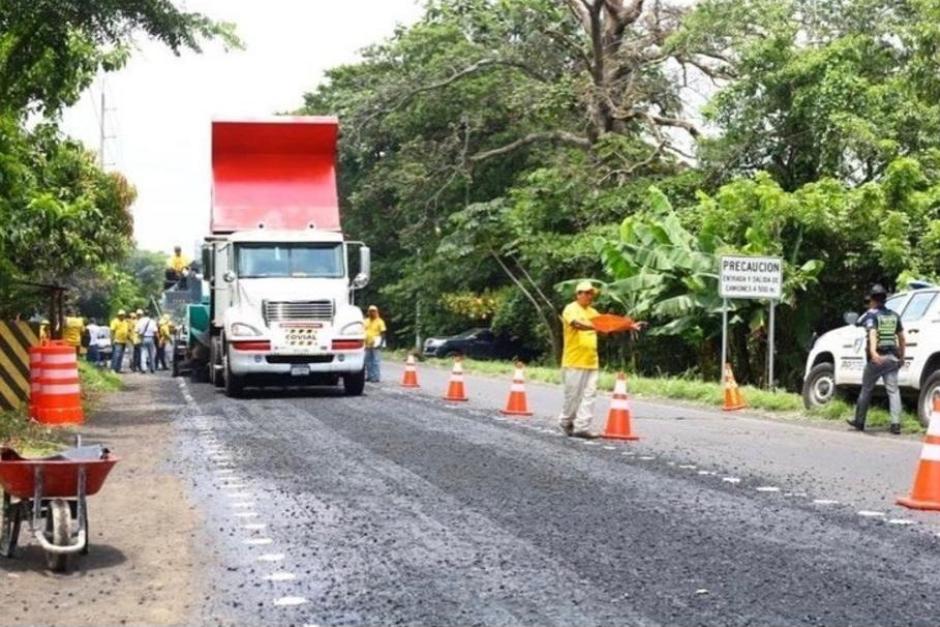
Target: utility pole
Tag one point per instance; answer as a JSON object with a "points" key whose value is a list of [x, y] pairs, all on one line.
{"points": [[103, 135]]}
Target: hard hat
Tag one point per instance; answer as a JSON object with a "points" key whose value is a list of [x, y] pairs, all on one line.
{"points": [[121, 312], [585, 286], [373, 308], [140, 312], [877, 290]]}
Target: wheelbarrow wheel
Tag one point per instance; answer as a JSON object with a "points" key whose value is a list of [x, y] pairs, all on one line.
{"points": [[58, 527], [9, 526]]}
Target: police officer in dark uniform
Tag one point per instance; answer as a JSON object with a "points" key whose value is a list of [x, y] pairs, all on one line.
{"points": [[885, 354]]}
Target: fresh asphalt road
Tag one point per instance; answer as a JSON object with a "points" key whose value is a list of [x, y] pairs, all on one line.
{"points": [[399, 508]]}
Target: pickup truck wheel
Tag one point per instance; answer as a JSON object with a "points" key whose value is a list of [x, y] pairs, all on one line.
{"points": [[930, 388], [233, 383], [355, 383], [819, 388]]}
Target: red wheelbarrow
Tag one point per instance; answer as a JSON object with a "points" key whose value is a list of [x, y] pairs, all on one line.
{"points": [[50, 493]]}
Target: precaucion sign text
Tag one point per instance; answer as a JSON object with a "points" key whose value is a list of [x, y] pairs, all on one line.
{"points": [[751, 277]]}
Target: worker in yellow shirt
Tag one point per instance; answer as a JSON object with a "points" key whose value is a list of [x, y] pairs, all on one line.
{"points": [[135, 340], [375, 340], [44, 334], [74, 328], [176, 267], [120, 336], [164, 333], [580, 363]]}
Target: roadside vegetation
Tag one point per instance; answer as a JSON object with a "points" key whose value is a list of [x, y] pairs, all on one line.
{"points": [[779, 403], [31, 438], [495, 151]]}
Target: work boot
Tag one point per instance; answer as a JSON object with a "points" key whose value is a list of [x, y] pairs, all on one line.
{"points": [[584, 435], [895, 429], [567, 429], [859, 426]]}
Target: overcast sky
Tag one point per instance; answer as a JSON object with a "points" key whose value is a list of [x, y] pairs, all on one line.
{"points": [[162, 104]]}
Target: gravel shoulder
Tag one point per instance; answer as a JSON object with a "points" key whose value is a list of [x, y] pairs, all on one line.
{"points": [[141, 565]]}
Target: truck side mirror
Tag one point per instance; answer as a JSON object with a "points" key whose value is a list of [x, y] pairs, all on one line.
{"points": [[850, 318], [229, 277], [365, 268]]}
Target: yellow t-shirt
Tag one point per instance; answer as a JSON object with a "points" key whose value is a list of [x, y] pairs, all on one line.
{"points": [[580, 346], [119, 331], [72, 333], [374, 328], [177, 263]]}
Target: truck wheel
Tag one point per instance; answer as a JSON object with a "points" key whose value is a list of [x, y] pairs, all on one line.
{"points": [[355, 383], [819, 388], [233, 383], [925, 403], [216, 357]]}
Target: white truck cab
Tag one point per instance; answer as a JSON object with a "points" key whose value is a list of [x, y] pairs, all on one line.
{"points": [[837, 358]]}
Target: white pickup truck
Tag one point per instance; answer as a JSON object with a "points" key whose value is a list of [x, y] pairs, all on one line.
{"points": [[837, 359]]}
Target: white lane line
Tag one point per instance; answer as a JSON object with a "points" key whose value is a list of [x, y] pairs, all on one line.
{"points": [[610, 448], [865, 513], [589, 442], [258, 541], [243, 505], [687, 466], [900, 521], [289, 601], [707, 473], [767, 488], [254, 526], [239, 495], [271, 557], [234, 486], [825, 502], [221, 458], [280, 577], [246, 515], [224, 471], [646, 458], [731, 479], [628, 453]]}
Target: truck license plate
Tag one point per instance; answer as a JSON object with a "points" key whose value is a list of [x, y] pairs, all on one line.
{"points": [[301, 370]]}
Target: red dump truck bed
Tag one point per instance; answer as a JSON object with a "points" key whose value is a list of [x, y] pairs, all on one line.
{"points": [[275, 173]]}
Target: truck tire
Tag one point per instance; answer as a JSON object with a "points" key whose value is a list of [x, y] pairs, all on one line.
{"points": [[234, 384], [819, 388], [354, 383], [930, 387], [216, 358]]}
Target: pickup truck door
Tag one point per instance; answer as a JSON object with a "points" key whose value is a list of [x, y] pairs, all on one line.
{"points": [[917, 315]]}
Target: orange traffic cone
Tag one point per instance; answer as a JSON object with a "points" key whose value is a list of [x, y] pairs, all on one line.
{"points": [[926, 492], [734, 400], [410, 379], [618, 419], [455, 389], [517, 405]]}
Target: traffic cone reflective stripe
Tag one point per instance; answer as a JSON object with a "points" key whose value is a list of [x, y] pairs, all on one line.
{"points": [[926, 491], [734, 399], [410, 379], [518, 404], [455, 389], [619, 417]]}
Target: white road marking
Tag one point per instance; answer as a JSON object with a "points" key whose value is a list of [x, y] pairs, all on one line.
{"points": [[646, 458], [280, 577], [688, 466], [220, 458], [767, 488], [610, 448], [900, 521], [707, 473], [628, 453], [289, 601], [731, 479], [254, 526], [246, 515], [234, 486], [825, 502], [258, 541], [224, 471], [243, 504], [865, 513], [240, 495], [589, 442]]}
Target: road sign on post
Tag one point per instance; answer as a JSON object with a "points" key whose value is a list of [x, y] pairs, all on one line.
{"points": [[750, 278]]}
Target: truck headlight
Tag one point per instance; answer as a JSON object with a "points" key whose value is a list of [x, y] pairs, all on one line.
{"points": [[241, 329], [353, 328]]}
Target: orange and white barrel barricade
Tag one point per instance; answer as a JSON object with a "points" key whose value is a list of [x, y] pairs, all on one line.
{"points": [[35, 371], [60, 392]]}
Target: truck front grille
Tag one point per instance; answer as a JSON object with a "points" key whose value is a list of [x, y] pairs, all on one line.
{"points": [[298, 310]]}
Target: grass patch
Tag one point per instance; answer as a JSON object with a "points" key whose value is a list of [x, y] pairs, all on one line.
{"points": [[786, 404], [32, 439]]}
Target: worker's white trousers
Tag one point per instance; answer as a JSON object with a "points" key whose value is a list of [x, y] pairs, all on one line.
{"points": [[580, 390]]}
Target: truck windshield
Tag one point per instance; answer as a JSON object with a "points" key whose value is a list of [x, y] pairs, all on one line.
{"points": [[290, 260]]}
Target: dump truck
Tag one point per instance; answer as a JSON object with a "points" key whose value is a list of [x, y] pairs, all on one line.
{"points": [[281, 277]]}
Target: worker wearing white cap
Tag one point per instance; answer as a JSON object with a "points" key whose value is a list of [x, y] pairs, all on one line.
{"points": [[579, 363]]}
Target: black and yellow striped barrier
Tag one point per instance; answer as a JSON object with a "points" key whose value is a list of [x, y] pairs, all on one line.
{"points": [[15, 340]]}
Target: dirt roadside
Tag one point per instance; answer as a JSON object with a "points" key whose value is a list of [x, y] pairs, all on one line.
{"points": [[141, 565]]}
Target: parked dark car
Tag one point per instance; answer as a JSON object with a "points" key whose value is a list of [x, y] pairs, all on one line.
{"points": [[477, 343]]}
